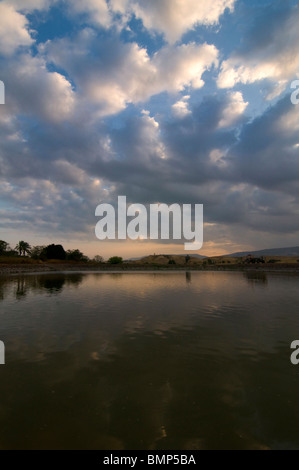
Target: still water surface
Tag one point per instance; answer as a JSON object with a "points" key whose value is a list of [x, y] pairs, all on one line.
{"points": [[149, 361]]}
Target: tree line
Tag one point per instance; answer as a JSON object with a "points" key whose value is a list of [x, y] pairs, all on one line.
{"points": [[50, 252]]}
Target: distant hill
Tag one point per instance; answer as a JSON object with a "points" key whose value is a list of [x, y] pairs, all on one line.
{"points": [[163, 260], [187, 253], [293, 251], [192, 255]]}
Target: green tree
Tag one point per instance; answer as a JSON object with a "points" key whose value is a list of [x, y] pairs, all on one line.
{"points": [[115, 260], [75, 255], [98, 259], [36, 252], [23, 248], [54, 252], [3, 247]]}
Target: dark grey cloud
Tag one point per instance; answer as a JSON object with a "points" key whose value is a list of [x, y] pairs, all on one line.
{"points": [[267, 154]]}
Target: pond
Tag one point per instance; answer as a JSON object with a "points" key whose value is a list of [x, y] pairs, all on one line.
{"points": [[180, 360]]}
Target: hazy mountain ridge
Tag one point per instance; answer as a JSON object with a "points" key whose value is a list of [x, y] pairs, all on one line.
{"points": [[291, 251], [183, 255]]}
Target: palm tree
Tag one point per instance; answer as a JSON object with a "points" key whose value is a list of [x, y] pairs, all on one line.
{"points": [[23, 248], [19, 247]]}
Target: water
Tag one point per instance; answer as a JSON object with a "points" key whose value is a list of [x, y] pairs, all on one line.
{"points": [[149, 361]]}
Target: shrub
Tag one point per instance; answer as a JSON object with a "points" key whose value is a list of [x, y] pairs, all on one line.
{"points": [[98, 259], [76, 255], [36, 252], [115, 260]]}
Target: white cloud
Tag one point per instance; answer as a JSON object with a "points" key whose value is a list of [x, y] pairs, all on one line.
{"points": [[127, 74], [34, 90], [119, 5], [234, 109], [217, 157], [289, 122], [149, 134], [276, 60], [68, 173], [27, 5], [13, 29], [97, 10], [171, 69], [183, 66], [174, 17], [235, 71], [180, 108]]}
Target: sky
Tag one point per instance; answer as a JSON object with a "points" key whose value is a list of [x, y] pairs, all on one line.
{"points": [[169, 101]]}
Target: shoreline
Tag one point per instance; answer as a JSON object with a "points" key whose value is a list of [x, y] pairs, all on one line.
{"points": [[15, 269]]}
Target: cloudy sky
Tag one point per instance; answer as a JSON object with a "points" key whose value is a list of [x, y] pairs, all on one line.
{"points": [[174, 101]]}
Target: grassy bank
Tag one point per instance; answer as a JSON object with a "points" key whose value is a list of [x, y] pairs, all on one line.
{"points": [[18, 265]]}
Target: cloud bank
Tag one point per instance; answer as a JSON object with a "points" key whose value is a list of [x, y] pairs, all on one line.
{"points": [[159, 101]]}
